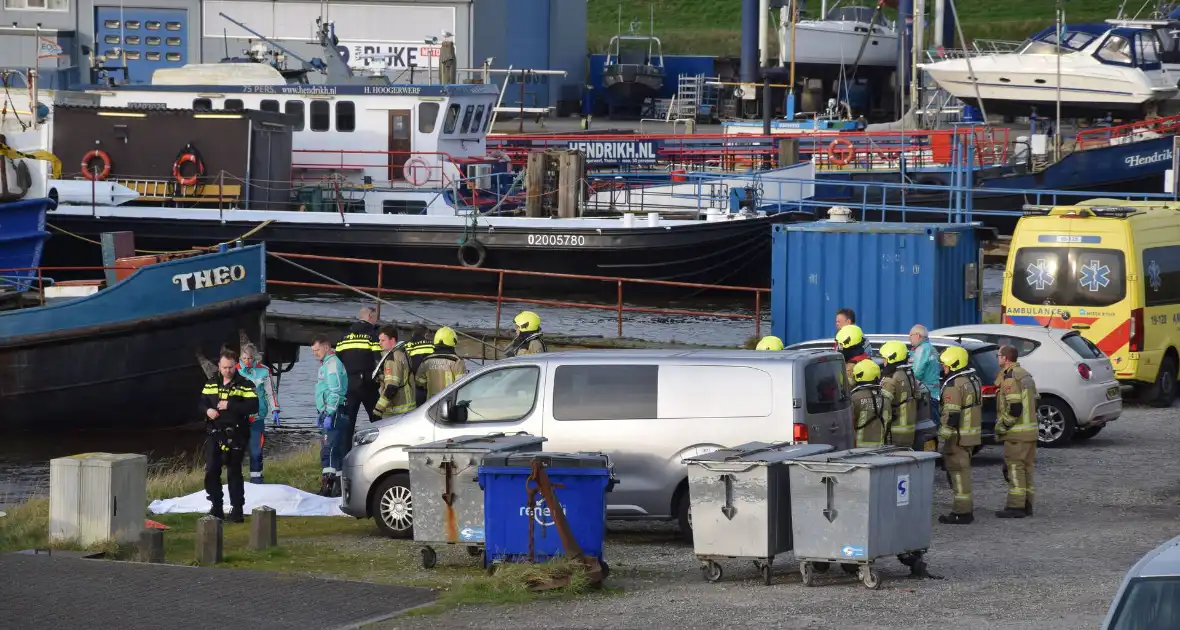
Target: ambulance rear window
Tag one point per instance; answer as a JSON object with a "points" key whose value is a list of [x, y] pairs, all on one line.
{"points": [[1069, 276]]}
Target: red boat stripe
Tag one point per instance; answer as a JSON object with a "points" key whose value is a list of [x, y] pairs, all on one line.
{"points": [[1117, 338]]}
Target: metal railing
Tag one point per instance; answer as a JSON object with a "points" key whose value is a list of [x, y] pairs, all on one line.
{"points": [[1128, 133], [619, 306]]}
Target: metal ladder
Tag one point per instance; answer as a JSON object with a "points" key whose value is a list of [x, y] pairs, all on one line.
{"points": [[688, 97]]}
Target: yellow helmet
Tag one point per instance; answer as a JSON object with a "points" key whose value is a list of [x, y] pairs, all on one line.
{"points": [[954, 357], [770, 342], [850, 336], [894, 352], [528, 321], [866, 371], [445, 336]]}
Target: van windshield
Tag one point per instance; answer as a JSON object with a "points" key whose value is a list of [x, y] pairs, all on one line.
{"points": [[1149, 604], [1069, 276]]}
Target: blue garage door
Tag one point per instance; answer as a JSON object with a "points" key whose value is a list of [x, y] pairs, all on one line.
{"points": [[528, 47], [150, 38]]}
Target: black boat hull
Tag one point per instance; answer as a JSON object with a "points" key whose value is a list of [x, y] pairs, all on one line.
{"points": [[133, 374]]}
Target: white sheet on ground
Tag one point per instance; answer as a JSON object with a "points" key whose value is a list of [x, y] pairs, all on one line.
{"points": [[285, 500]]}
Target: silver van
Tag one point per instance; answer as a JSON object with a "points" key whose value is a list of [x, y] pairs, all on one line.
{"points": [[647, 409]]}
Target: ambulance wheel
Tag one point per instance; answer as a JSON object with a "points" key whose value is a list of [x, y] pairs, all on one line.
{"points": [[1163, 392], [429, 558], [711, 571], [870, 578]]}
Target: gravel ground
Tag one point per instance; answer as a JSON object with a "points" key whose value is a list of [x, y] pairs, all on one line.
{"points": [[1101, 505]]}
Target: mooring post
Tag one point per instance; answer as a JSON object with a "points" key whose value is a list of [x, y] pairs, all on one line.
{"points": [[151, 545], [264, 532], [209, 540]]}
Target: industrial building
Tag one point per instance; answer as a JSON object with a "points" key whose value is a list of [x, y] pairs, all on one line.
{"points": [[60, 37]]}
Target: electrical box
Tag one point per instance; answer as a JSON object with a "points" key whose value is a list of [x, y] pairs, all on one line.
{"points": [[95, 497]]}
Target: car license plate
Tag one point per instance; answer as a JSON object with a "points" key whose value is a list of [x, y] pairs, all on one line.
{"points": [[1113, 393], [930, 445]]}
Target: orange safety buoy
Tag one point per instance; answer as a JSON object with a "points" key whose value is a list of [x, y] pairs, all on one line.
{"points": [[89, 173], [181, 161], [841, 151]]}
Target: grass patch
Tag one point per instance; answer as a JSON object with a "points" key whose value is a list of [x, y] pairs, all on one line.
{"points": [[711, 27]]}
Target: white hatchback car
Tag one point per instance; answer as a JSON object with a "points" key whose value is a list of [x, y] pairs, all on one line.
{"points": [[1075, 380]]}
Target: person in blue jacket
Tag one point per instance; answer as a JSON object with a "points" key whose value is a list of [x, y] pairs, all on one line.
{"points": [[331, 391], [925, 365], [252, 368]]}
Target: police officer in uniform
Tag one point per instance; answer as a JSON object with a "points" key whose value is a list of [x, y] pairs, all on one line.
{"points": [[227, 402], [850, 342], [417, 349], [959, 431], [902, 387], [528, 338], [872, 406], [771, 343], [393, 377], [359, 351], [1017, 427], [443, 367]]}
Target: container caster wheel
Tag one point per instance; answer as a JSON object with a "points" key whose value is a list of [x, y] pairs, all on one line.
{"points": [[429, 558], [821, 567], [807, 574], [711, 571], [870, 578], [850, 569], [474, 551], [766, 574]]}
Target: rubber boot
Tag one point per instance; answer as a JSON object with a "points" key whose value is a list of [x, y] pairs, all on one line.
{"points": [[1011, 513], [235, 515], [1028, 507], [956, 519]]}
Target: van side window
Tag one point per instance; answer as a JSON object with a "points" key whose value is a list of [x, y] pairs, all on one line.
{"points": [[605, 392], [1161, 276], [500, 395], [825, 386], [715, 391]]}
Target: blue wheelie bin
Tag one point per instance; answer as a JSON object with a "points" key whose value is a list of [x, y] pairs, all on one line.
{"points": [[581, 482]]}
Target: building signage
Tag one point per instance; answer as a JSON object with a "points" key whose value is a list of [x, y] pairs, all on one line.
{"points": [[617, 151], [397, 55], [208, 278]]}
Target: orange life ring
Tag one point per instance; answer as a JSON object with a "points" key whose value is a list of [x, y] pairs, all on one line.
{"points": [[841, 151], [181, 161], [89, 173]]}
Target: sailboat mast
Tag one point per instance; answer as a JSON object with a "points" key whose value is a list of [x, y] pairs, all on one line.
{"points": [[794, 19], [1057, 128]]}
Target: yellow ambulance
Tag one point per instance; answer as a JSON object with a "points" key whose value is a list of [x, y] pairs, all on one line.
{"points": [[1111, 270]]}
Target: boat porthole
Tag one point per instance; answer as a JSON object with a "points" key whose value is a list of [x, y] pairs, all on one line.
{"points": [[472, 254]]}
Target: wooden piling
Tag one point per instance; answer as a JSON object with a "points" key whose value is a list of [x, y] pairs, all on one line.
{"points": [[209, 537], [264, 532], [151, 545], [534, 184]]}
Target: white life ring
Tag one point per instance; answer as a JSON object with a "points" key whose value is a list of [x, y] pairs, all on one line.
{"points": [[416, 171]]}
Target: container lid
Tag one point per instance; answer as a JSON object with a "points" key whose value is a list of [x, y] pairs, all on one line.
{"points": [[488, 442], [551, 460], [869, 457], [762, 453]]}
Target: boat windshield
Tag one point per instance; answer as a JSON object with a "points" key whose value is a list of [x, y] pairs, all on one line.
{"points": [[855, 14], [1073, 41], [1126, 47]]}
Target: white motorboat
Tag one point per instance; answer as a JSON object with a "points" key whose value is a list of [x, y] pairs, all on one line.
{"points": [[1103, 69], [839, 37]]}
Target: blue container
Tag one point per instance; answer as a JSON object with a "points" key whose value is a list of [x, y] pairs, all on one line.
{"points": [[584, 479], [894, 275], [21, 241], [971, 114]]}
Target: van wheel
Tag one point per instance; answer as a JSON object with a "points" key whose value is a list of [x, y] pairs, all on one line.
{"points": [[392, 507], [1056, 422], [1163, 392], [684, 517]]}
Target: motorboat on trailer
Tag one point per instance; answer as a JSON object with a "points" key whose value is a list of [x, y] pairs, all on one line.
{"points": [[1103, 69]]}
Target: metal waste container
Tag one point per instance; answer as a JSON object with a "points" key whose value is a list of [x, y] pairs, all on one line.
{"points": [[855, 506], [741, 503], [448, 500]]}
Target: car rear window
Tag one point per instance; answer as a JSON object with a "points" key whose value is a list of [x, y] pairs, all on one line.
{"points": [[1082, 346], [825, 386], [986, 364]]}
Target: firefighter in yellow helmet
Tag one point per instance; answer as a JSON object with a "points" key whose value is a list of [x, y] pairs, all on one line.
{"points": [[1017, 426], [899, 381], [872, 406], [959, 430], [770, 342], [443, 367], [528, 338], [850, 341]]}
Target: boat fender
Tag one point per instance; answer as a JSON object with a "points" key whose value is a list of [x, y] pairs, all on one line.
{"points": [[90, 173], [189, 155], [416, 171], [841, 151], [472, 253]]}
